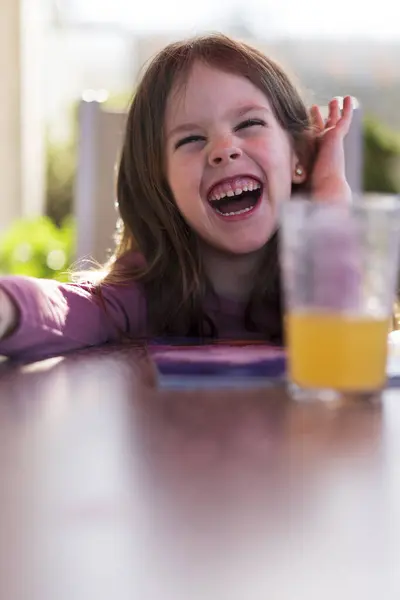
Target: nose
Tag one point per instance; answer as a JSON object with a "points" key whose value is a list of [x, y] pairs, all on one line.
{"points": [[223, 154]]}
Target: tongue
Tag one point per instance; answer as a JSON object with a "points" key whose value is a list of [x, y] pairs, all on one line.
{"points": [[228, 205]]}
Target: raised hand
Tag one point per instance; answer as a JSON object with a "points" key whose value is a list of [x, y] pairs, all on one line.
{"points": [[328, 178]]}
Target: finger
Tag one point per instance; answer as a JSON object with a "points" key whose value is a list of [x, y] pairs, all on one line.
{"points": [[334, 113], [316, 118], [347, 115]]}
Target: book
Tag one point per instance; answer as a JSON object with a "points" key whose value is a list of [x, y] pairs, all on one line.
{"points": [[218, 365]]}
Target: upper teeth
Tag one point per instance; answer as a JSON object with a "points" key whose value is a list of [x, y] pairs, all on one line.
{"points": [[235, 191]]}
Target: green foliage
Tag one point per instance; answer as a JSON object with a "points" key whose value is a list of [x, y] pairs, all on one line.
{"points": [[38, 248], [381, 158]]}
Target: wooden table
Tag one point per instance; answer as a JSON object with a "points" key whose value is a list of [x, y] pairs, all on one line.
{"points": [[112, 488]]}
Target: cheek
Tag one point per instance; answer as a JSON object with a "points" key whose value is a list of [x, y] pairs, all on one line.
{"points": [[274, 153], [175, 179], [183, 177]]}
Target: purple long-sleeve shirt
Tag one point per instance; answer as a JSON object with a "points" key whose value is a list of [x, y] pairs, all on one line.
{"points": [[55, 318]]}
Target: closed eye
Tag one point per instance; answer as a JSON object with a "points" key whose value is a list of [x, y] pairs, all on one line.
{"points": [[187, 140], [250, 123]]}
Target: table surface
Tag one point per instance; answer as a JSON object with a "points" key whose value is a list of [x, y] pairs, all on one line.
{"points": [[114, 488]]}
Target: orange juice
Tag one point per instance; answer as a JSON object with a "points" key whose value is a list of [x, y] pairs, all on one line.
{"points": [[336, 351]]}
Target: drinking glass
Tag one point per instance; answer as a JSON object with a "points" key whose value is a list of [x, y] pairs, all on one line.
{"points": [[340, 266]]}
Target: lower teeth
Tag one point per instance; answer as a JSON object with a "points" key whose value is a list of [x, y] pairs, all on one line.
{"points": [[231, 214]]}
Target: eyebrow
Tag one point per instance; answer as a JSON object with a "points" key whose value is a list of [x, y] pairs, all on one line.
{"points": [[236, 112]]}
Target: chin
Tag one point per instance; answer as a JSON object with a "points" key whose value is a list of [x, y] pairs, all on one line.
{"points": [[241, 247]]}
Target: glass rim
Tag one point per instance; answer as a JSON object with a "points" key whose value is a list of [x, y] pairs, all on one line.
{"points": [[368, 202]]}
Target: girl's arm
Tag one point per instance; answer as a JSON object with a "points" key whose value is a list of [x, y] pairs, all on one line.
{"points": [[40, 317], [8, 315]]}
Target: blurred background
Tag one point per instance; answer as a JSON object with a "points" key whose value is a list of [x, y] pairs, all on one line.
{"points": [[69, 69]]}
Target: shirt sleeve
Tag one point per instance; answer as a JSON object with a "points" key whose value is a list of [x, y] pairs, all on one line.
{"points": [[55, 318]]}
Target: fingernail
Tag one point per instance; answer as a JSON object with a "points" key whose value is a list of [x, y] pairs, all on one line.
{"points": [[339, 100]]}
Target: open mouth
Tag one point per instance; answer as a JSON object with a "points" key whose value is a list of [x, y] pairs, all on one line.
{"points": [[237, 201]]}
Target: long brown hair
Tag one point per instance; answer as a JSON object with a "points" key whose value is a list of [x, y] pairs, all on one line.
{"points": [[173, 277]]}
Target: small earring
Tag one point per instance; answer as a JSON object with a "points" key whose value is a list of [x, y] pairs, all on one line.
{"points": [[299, 171]]}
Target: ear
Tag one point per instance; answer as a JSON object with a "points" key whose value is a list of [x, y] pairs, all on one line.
{"points": [[299, 173]]}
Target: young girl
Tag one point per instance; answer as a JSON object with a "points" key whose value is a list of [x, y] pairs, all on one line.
{"points": [[217, 138]]}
